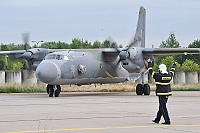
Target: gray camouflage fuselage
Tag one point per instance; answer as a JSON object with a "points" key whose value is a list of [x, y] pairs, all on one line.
{"points": [[96, 68]]}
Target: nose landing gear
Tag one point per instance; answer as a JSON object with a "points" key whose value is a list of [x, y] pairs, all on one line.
{"points": [[53, 90]]}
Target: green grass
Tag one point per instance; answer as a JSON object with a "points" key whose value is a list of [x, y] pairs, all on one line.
{"points": [[121, 87], [125, 87], [186, 87], [15, 88]]}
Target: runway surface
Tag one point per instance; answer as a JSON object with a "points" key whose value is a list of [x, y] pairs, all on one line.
{"points": [[97, 112]]}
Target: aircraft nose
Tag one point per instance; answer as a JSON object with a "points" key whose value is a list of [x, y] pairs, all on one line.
{"points": [[47, 72]]}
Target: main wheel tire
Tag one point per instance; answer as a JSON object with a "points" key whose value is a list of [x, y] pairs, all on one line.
{"points": [[51, 90], [47, 88], [58, 90], [146, 89], [139, 89]]}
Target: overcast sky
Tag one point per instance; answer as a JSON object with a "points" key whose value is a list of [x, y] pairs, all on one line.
{"points": [[63, 20]]}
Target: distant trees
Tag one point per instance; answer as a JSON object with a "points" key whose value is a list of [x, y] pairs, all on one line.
{"points": [[54, 45], [7, 63], [184, 62], [195, 58], [171, 42], [188, 65], [11, 46], [80, 44]]}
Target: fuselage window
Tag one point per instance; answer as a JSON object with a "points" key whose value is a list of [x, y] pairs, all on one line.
{"points": [[58, 57]]}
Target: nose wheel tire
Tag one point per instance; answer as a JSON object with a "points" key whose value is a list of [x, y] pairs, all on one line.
{"points": [[53, 90], [50, 90], [58, 90], [47, 88]]}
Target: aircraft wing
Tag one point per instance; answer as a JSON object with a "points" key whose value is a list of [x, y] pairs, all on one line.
{"points": [[170, 51], [14, 52]]}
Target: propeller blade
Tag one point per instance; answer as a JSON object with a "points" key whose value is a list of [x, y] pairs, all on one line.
{"points": [[132, 44], [25, 37], [111, 43]]}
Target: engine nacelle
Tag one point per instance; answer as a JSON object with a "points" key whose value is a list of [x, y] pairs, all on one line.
{"points": [[134, 60], [35, 56], [130, 67], [27, 55], [132, 53], [123, 55]]}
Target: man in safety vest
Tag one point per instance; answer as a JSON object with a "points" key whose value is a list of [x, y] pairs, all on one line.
{"points": [[163, 89]]}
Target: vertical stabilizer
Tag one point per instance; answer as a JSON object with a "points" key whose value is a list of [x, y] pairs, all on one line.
{"points": [[140, 31]]}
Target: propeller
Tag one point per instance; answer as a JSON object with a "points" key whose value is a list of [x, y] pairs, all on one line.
{"points": [[124, 54], [27, 55], [110, 42], [25, 37]]}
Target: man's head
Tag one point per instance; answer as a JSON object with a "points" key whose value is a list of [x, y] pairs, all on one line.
{"points": [[162, 68]]}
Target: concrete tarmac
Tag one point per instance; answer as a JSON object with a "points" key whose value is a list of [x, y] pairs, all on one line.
{"points": [[97, 112]]}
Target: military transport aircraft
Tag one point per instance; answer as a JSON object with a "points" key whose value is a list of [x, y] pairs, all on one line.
{"points": [[57, 67]]}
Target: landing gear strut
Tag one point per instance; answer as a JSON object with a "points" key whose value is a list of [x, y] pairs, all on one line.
{"points": [[53, 90]]}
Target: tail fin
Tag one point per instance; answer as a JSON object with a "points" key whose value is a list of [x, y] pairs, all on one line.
{"points": [[140, 31]]}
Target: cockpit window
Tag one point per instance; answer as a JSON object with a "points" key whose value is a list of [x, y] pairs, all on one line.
{"points": [[50, 56], [66, 57], [59, 57], [56, 56]]}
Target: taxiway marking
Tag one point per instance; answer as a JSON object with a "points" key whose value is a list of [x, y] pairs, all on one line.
{"points": [[105, 128]]}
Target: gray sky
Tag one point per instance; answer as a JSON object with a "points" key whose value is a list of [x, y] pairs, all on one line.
{"points": [[62, 20]]}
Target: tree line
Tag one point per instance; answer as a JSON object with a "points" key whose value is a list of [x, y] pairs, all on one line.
{"points": [[80, 44], [184, 62]]}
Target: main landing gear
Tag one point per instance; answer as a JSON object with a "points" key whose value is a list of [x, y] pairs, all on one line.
{"points": [[53, 90], [143, 89]]}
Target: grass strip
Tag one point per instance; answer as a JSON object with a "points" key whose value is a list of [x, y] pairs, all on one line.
{"points": [[16, 88], [120, 87]]}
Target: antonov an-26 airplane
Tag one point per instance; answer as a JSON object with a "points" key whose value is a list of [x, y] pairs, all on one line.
{"points": [[57, 67]]}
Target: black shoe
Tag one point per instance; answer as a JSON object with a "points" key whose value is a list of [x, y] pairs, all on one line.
{"points": [[166, 123], [155, 121]]}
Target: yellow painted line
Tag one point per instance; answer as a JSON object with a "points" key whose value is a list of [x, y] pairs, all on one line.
{"points": [[109, 75], [105, 128]]}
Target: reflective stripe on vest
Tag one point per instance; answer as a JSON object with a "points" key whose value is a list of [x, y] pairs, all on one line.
{"points": [[164, 94], [172, 72], [150, 68], [160, 83], [152, 74]]}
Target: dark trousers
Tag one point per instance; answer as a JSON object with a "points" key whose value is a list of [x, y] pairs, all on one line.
{"points": [[162, 109]]}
